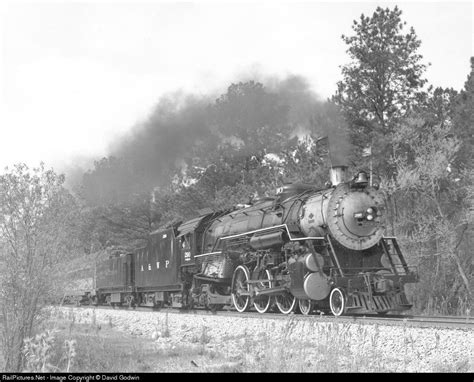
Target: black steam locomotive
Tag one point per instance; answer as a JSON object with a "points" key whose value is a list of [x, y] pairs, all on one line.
{"points": [[305, 248]]}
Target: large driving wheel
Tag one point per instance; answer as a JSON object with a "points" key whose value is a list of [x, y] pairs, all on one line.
{"points": [[262, 303], [286, 302], [337, 302], [306, 306], [240, 288]]}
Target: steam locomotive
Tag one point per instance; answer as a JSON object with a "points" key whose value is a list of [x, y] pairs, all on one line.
{"points": [[305, 249]]}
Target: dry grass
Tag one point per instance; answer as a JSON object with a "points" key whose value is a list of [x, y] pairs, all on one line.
{"points": [[64, 345], [332, 347]]}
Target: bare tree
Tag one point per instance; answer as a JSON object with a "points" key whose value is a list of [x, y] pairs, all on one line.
{"points": [[34, 218]]}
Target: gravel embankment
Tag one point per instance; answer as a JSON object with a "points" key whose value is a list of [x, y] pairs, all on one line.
{"points": [[311, 344]]}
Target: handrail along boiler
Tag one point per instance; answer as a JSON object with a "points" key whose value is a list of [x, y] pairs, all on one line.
{"points": [[305, 248]]}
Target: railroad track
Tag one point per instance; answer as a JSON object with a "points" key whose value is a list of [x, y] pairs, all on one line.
{"points": [[420, 321], [455, 322]]}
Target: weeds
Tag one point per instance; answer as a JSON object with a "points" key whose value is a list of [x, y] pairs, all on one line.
{"points": [[161, 328], [166, 329], [290, 346], [37, 352], [70, 350], [72, 322], [202, 339], [81, 350]]}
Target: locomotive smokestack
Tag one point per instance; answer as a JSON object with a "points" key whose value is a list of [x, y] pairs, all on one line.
{"points": [[337, 174]]}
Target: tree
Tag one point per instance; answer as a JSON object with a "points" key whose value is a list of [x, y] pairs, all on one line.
{"points": [[463, 121], [116, 208], [306, 161], [252, 116], [35, 214], [383, 81], [435, 217], [126, 224], [112, 180], [434, 179]]}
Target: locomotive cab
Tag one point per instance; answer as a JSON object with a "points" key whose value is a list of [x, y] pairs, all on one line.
{"points": [[186, 248]]}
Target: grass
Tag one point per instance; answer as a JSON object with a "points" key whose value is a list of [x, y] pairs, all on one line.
{"points": [[310, 346], [97, 348], [64, 344]]}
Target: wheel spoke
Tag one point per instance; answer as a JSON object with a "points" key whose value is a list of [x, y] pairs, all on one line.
{"points": [[263, 303], [306, 306], [286, 302], [239, 285]]}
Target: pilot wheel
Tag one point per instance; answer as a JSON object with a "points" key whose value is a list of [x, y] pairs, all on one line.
{"points": [[338, 302]]}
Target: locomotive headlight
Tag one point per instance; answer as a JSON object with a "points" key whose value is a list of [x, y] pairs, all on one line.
{"points": [[370, 210], [370, 217]]}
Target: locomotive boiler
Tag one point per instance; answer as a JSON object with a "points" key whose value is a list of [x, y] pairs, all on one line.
{"points": [[305, 248]]}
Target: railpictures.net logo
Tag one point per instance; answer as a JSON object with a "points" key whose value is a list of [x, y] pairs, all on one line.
{"points": [[69, 377]]}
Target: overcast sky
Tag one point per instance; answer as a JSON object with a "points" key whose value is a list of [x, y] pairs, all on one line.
{"points": [[74, 76]]}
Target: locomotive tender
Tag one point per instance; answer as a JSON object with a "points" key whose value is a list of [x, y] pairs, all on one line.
{"points": [[305, 248]]}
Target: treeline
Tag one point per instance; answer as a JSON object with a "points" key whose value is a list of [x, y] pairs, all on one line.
{"points": [[421, 139], [196, 153]]}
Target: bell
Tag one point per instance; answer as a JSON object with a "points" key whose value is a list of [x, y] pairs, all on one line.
{"points": [[361, 178]]}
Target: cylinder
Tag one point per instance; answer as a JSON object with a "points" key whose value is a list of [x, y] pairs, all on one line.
{"points": [[266, 241], [316, 286]]}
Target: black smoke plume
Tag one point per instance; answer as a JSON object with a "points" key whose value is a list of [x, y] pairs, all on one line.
{"points": [[181, 128], [331, 119]]}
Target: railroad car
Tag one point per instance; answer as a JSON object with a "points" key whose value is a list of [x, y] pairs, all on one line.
{"points": [[79, 285], [305, 249], [114, 280]]}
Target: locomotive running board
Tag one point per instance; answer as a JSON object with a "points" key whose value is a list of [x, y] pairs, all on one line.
{"points": [[274, 228]]}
